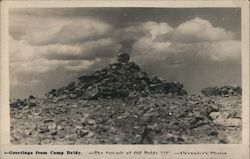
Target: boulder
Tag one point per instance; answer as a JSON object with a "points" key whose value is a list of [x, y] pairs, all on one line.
{"points": [[32, 97], [231, 122], [18, 103], [214, 115], [32, 104]]}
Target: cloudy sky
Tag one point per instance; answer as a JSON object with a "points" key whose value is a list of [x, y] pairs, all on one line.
{"points": [[198, 47]]}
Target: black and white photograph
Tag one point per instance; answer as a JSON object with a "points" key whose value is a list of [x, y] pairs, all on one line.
{"points": [[125, 75], [124, 79]]}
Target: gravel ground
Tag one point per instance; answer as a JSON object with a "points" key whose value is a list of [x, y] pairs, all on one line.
{"points": [[156, 119]]}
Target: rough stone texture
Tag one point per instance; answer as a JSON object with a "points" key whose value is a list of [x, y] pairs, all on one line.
{"points": [[155, 119], [123, 57], [121, 104], [224, 91], [118, 80]]}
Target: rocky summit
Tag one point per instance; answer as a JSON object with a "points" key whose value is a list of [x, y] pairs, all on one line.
{"points": [[224, 91], [155, 119], [118, 80], [121, 104]]}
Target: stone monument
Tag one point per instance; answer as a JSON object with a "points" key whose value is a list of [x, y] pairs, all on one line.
{"points": [[123, 57]]}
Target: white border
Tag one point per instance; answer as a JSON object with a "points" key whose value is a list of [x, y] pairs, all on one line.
{"points": [[236, 151]]}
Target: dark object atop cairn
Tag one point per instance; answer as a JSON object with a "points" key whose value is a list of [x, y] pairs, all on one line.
{"points": [[123, 57]]}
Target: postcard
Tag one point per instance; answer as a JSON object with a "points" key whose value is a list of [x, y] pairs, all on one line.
{"points": [[125, 79]]}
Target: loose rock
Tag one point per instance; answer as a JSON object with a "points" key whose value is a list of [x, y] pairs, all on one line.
{"points": [[224, 91], [116, 81]]}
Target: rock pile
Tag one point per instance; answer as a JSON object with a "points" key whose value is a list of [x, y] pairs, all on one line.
{"points": [[118, 80], [224, 91], [23, 102]]}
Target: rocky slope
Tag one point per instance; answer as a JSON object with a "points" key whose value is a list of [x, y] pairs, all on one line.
{"points": [[121, 104], [156, 119]]}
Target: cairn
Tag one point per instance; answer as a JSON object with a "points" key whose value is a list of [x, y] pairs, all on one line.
{"points": [[118, 80]]}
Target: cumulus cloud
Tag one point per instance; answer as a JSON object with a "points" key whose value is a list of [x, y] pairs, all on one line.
{"points": [[102, 48], [70, 32], [155, 29], [142, 38], [20, 50], [225, 50], [197, 30], [195, 53], [149, 29], [57, 46], [190, 40], [69, 46], [33, 61]]}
